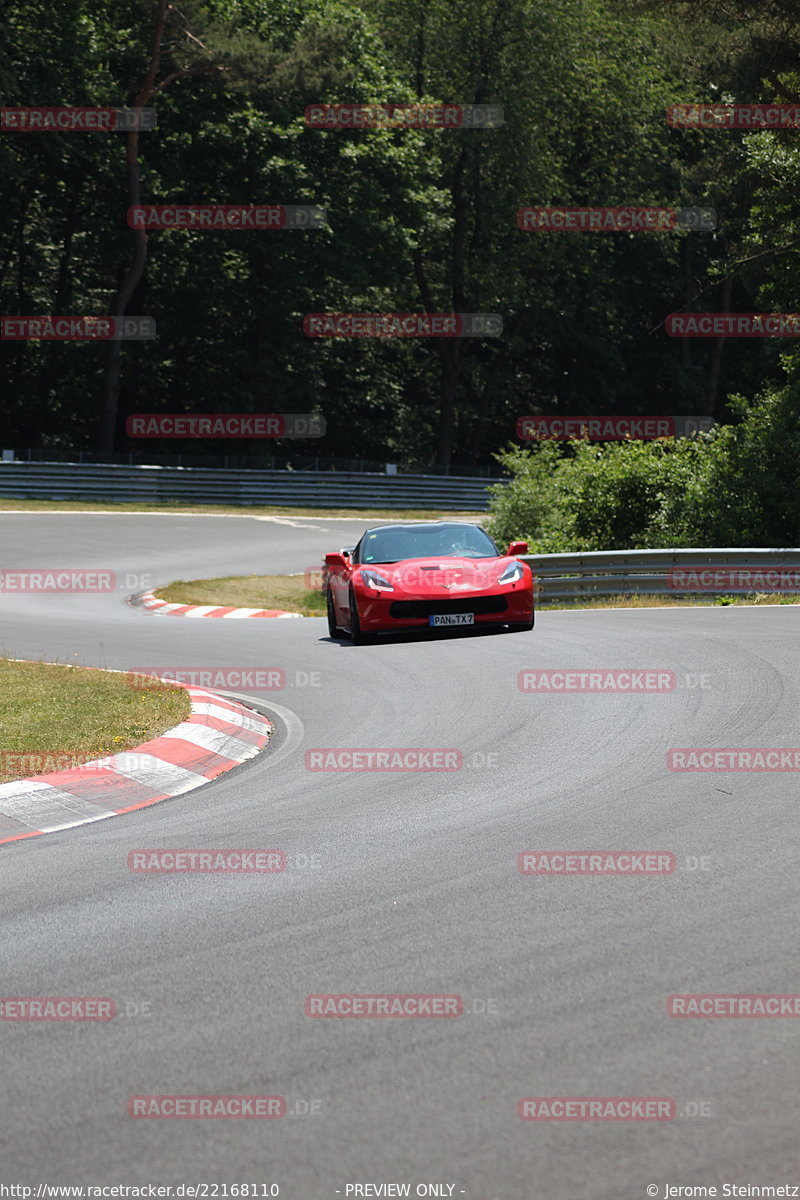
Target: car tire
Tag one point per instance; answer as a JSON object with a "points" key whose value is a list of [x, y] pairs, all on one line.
{"points": [[357, 635], [333, 628], [521, 626]]}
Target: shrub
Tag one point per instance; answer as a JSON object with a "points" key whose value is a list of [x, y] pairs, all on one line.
{"points": [[736, 486]]}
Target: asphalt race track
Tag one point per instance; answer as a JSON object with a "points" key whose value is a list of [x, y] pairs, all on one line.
{"points": [[407, 883]]}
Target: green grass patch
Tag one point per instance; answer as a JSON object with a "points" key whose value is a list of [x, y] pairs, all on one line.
{"points": [[232, 510], [77, 713], [669, 601], [289, 592]]}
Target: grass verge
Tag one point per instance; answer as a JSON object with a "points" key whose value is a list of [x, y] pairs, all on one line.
{"points": [[75, 714], [289, 592], [231, 510], [670, 601]]}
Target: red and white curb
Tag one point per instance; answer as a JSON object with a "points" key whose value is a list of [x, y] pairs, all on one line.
{"points": [[217, 736], [164, 608]]}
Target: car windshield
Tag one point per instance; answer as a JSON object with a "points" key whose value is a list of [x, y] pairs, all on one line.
{"points": [[396, 543]]}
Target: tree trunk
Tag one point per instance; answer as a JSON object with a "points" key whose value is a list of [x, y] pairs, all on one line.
{"points": [[133, 276], [688, 291], [484, 404], [451, 371], [717, 351], [119, 306], [53, 362]]}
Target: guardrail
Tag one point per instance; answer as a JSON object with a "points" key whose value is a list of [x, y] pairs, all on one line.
{"points": [[197, 485], [737, 571]]}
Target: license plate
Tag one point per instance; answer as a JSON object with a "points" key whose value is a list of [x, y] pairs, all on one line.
{"points": [[452, 619]]}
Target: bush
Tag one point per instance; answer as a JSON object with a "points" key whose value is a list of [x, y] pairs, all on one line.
{"points": [[607, 496], [747, 491], [737, 486]]}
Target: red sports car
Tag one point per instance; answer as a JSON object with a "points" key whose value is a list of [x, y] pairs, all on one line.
{"points": [[433, 574]]}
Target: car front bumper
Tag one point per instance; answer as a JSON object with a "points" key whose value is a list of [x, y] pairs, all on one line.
{"points": [[391, 610]]}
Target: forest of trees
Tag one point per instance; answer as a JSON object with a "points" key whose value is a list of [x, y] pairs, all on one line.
{"points": [[417, 219]]}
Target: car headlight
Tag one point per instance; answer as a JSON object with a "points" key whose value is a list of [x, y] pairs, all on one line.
{"points": [[512, 573], [377, 581]]}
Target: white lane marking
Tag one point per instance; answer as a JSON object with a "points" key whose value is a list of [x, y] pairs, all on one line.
{"points": [[296, 523], [361, 520]]}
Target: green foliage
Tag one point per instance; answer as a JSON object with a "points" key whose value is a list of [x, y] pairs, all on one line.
{"points": [[416, 218], [610, 496], [747, 492], [737, 486]]}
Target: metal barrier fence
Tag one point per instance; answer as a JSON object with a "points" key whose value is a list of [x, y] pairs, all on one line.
{"points": [[306, 489], [663, 572], [559, 576]]}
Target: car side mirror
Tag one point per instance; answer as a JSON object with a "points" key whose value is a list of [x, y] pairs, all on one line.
{"points": [[336, 560], [515, 548]]}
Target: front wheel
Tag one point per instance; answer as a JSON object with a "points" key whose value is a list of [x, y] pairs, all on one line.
{"points": [[357, 635], [521, 626], [333, 628]]}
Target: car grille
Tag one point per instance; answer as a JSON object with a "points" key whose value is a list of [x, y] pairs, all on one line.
{"points": [[466, 604]]}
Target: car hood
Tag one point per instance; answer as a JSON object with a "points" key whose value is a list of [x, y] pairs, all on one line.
{"points": [[441, 576]]}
